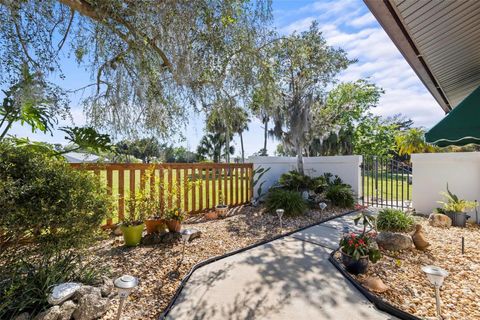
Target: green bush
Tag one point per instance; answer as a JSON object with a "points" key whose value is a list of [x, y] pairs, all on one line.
{"points": [[295, 181], [394, 220], [291, 201], [340, 195], [47, 209]]}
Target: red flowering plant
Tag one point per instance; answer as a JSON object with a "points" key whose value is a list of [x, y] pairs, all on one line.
{"points": [[362, 244]]}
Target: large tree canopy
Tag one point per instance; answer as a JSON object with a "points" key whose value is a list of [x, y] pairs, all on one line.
{"points": [[149, 60]]}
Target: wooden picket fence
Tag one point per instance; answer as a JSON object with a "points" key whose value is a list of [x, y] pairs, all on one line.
{"points": [[232, 181]]}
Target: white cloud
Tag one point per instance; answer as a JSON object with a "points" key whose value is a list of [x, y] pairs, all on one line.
{"points": [[365, 20]]}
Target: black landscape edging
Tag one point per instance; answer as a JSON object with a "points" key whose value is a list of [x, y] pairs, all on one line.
{"points": [[216, 258], [379, 303]]}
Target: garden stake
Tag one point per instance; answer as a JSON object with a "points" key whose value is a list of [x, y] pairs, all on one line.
{"points": [[476, 211], [463, 245]]}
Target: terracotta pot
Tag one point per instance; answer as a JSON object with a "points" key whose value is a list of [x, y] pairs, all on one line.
{"points": [[353, 266], [154, 225], [173, 225], [221, 210], [212, 215]]}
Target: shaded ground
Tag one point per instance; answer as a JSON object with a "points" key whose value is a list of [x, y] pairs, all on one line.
{"points": [[158, 267]]}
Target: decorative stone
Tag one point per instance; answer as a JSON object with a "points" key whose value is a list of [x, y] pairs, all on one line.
{"points": [[66, 310], [394, 241], [91, 305], [419, 239], [62, 292], [162, 237], [375, 284], [107, 287], [117, 231], [194, 234], [439, 220], [52, 313]]}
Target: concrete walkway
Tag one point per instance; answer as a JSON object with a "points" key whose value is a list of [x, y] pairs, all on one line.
{"points": [[289, 278]]}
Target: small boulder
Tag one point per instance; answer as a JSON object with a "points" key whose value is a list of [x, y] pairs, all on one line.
{"points": [[375, 284], [91, 305], [117, 231], [419, 239], [52, 313], [66, 310], [195, 233], [62, 292], [107, 287], [394, 241], [212, 215], [439, 220]]}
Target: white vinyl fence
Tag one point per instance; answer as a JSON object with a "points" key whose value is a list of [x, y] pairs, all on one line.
{"points": [[346, 167], [432, 171]]}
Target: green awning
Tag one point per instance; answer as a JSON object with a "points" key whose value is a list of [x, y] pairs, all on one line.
{"points": [[461, 126]]}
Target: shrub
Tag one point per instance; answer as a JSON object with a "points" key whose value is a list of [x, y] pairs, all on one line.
{"points": [[294, 180], [291, 201], [394, 220], [46, 202], [340, 195], [47, 209]]}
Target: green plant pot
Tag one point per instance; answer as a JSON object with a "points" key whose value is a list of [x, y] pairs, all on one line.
{"points": [[132, 235]]}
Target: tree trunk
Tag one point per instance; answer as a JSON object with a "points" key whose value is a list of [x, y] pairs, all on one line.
{"points": [[299, 158], [265, 136], [241, 144]]}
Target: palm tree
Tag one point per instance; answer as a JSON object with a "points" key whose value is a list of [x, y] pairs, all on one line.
{"points": [[213, 146], [413, 141]]}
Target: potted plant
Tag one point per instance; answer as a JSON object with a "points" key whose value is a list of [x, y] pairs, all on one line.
{"points": [[455, 208], [358, 250], [221, 208], [174, 218], [151, 208], [132, 226]]}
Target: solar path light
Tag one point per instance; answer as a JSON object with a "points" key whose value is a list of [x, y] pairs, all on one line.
{"points": [[124, 285], [436, 275], [280, 213]]}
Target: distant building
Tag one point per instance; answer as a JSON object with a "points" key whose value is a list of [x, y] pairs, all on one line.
{"points": [[79, 157]]}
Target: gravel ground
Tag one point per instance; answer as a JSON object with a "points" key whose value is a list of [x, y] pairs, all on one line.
{"points": [[412, 292], [158, 267]]}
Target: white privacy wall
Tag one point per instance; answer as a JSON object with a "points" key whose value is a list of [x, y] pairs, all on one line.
{"points": [[432, 171], [346, 167]]}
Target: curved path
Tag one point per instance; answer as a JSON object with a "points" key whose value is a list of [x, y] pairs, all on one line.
{"points": [[288, 278]]}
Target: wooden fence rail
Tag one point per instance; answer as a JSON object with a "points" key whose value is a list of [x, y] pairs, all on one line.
{"points": [[200, 186]]}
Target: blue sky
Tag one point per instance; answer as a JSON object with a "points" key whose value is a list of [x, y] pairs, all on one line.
{"points": [[345, 23]]}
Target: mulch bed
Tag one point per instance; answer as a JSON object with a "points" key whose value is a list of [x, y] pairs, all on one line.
{"points": [[160, 267], [410, 290]]}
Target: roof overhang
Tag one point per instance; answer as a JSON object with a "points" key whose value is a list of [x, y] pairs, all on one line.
{"points": [[440, 41]]}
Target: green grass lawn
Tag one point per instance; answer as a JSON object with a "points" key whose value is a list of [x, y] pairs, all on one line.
{"points": [[389, 186], [199, 198]]}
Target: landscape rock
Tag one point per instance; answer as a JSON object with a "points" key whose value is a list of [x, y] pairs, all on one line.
{"points": [[419, 239], [91, 305], [117, 231], [107, 287], [439, 220], [375, 284], [161, 237], [23, 316], [212, 215], [66, 310], [394, 241], [52, 313], [195, 233], [62, 292]]}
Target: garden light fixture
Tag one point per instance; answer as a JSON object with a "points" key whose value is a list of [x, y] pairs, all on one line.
{"points": [[280, 213], [124, 285], [322, 206], [436, 275]]}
